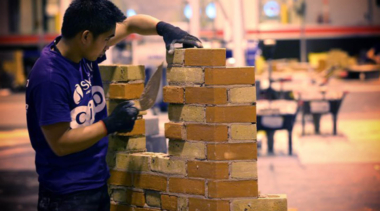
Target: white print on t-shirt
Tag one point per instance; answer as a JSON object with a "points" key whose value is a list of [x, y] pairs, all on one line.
{"points": [[85, 115], [89, 66], [78, 93]]}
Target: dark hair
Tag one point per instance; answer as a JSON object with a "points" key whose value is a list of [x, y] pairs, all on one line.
{"points": [[97, 16]]}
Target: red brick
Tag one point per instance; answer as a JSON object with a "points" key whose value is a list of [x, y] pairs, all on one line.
{"points": [[120, 178], [205, 57], [169, 202], [120, 207], [209, 170], [173, 94], [138, 129], [203, 132], [231, 114], [126, 91], [230, 189], [187, 186], [238, 151], [151, 182], [135, 198], [196, 204], [146, 209], [229, 76], [174, 130], [203, 95]]}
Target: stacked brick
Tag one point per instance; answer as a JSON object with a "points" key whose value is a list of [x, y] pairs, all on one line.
{"points": [[212, 159], [120, 83]]}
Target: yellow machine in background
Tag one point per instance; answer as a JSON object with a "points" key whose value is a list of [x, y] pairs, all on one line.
{"points": [[14, 67]]}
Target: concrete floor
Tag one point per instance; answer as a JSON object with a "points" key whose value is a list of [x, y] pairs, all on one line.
{"points": [[325, 172]]}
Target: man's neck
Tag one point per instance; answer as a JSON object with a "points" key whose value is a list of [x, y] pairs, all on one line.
{"points": [[69, 49]]}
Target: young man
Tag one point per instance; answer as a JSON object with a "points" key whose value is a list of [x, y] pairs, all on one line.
{"points": [[66, 108]]}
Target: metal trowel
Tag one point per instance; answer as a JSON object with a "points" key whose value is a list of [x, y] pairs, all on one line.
{"points": [[149, 95]]}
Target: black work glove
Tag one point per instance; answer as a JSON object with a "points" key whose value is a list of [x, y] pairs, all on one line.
{"points": [[172, 34], [122, 119]]}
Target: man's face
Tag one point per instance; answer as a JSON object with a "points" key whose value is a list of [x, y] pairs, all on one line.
{"points": [[99, 46]]}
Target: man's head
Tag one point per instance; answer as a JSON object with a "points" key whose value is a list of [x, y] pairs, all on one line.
{"points": [[93, 23]]}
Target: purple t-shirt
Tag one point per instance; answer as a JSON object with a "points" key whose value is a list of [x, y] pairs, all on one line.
{"points": [[59, 90]]}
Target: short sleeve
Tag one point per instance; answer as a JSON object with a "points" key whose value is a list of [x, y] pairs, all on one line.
{"points": [[52, 103]]}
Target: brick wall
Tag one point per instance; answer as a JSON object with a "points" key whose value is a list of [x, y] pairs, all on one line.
{"points": [[212, 160]]}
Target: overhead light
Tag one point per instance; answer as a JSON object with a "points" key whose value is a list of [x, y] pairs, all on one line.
{"points": [[188, 11], [211, 10], [131, 12]]}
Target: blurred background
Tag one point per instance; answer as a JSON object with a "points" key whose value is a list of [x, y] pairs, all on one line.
{"points": [[317, 84]]}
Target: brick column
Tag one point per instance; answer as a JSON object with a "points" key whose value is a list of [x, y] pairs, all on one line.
{"points": [[212, 160], [120, 83], [213, 129]]}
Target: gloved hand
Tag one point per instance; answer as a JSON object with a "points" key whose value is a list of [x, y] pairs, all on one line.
{"points": [[122, 118], [172, 34]]}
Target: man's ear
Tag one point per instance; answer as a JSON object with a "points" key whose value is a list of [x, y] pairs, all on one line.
{"points": [[86, 37]]}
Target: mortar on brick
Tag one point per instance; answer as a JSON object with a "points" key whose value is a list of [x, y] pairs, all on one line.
{"points": [[133, 162], [164, 164]]}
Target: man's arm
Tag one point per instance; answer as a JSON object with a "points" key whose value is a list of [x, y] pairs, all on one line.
{"points": [[64, 141], [140, 24], [148, 25]]}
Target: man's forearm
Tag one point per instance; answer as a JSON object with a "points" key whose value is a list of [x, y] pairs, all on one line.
{"points": [[64, 141], [140, 24]]}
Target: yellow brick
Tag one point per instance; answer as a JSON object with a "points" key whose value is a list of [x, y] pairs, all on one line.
{"points": [[185, 75], [126, 143], [119, 195], [273, 202], [153, 198], [242, 95], [132, 162], [195, 150], [176, 58], [243, 132], [186, 113], [163, 164], [244, 170], [111, 158], [122, 73], [183, 204]]}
